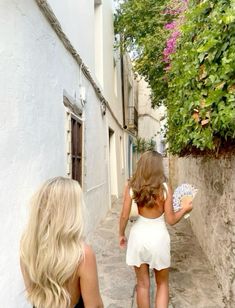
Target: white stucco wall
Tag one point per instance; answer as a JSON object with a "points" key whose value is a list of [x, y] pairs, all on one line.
{"points": [[150, 121], [109, 57], [35, 68], [95, 162], [117, 163], [77, 21]]}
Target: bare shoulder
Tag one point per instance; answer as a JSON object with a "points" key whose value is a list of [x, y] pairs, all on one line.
{"points": [[88, 251], [169, 188], [88, 260], [127, 185], [89, 279]]}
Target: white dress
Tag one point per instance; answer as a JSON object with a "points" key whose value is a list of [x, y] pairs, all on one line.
{"points": [[149, 243]]}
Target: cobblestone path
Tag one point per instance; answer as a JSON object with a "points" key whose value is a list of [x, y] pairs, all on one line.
{"points": [[192, 282]]}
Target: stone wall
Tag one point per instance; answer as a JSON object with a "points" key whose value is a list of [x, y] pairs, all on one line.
{"points": [[213, 216]]}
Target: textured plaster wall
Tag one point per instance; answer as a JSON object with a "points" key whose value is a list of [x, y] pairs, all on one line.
{"points": [[35, 69], [116, 159], [77, 20], [149, 122], [109, 58], [213, 216]]}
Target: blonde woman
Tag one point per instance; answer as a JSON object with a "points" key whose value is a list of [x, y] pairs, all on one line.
{"points": [[149, 242], [58, 267]]}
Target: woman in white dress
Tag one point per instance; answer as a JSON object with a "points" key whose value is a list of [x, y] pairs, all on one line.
{"points": [[148, 245]]}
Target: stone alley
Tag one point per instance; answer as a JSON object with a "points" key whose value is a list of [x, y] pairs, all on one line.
{"points": [[192, 282]]}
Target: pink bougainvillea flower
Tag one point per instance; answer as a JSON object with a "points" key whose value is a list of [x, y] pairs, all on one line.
{"points": [[171, 26], [170, 46], [177, 9]]}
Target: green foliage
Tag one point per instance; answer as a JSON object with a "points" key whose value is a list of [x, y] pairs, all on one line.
{"points": [[142, 145], [199, 88], [201, 96], [140, 24]]}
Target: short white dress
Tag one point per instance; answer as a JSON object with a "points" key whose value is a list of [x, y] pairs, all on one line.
{"points": [[149, 243]]}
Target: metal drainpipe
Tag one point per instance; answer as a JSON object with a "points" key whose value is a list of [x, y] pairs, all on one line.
{"points": [[123, 94]]}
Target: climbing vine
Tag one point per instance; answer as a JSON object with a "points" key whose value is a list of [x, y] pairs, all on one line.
{"points": [[201, 81], [186, 52]]}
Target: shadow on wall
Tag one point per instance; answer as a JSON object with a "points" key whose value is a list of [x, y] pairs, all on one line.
{"points": [[213, 218]]}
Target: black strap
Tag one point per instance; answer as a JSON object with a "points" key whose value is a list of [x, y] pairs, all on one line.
{"points": [[80, 304]]}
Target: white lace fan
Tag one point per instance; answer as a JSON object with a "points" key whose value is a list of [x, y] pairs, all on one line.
{"points": [[183, 190]]}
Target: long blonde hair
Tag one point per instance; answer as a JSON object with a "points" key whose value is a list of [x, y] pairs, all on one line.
{"points": [[51, 246], [147, 180]]}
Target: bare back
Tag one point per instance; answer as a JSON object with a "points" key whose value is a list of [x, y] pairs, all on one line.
{"points": [[151, 212]]}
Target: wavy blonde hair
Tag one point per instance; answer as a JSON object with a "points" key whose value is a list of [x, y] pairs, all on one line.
{"points": [[147, 180], [51, 246]]}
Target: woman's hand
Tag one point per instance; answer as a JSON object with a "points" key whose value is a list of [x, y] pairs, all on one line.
{"points": [[122, 241], [187, 203], [124, 216]]}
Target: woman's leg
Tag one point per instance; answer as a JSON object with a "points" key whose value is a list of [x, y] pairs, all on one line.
{"points": [[162, 292], [143, 286]]}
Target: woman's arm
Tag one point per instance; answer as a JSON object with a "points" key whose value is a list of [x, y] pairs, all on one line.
{"points": [[171, 216], [126, 208], [89, 280]]}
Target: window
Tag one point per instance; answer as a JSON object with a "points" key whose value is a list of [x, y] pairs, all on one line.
{"points": [[74, 122], [76, 149]]}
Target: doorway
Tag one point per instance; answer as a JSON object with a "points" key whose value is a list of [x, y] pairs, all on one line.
{"points": [[112, 165]]}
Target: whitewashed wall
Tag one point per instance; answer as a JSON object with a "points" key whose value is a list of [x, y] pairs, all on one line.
{"points": [[150, 120], [35, 69], [77, 21], [117, 163]]}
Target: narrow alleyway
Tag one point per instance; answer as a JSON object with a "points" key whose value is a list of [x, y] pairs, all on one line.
{"points": [[192, 282]]}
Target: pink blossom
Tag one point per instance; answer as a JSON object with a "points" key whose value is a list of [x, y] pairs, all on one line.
{"points": [[171, 25], [175, 8], [170, 46]]}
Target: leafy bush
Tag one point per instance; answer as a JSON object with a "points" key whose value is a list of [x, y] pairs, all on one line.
{"points": [[192, 70], [140, 24], [201, 81], [142, 145]]}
